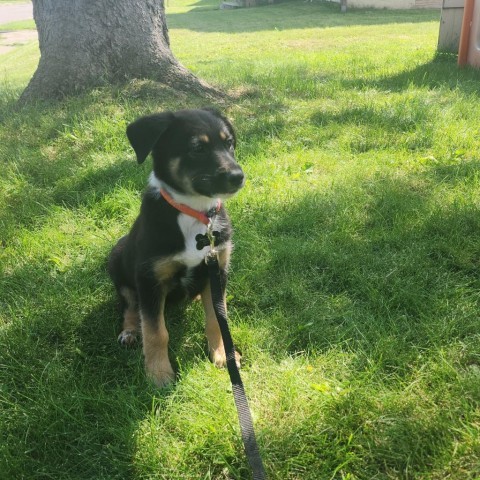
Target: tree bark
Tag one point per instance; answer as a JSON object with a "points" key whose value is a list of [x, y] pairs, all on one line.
{"points": [[88, 43]]}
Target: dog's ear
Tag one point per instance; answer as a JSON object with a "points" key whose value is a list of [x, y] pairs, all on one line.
{"points": [[145, 132], [225, 120]]}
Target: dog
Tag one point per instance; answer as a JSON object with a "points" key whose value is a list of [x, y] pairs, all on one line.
{"points": [[162, 258]]}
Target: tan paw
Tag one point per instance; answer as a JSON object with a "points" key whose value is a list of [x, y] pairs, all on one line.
{"points": [[220, 360], [161, 373], [127, 338]]}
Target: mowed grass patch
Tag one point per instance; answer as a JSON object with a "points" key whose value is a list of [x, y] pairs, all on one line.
{"points": [[354, 286], [18, 25]]}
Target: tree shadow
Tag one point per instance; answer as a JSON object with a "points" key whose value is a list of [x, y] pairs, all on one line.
{"points": [[305, 15], [378, 280], [65, 157], [379, 277], [74, 400], [62, 372], [442, 72], [375, 270]]}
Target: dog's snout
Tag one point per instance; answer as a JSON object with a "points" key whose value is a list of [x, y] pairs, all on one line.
{"points": [[235, 177]]}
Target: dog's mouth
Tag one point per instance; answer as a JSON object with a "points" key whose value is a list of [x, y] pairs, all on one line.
{"points": [[223, 184]]}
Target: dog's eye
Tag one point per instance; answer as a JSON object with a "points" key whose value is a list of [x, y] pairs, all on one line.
{"points": [[229, 143], [200, 143], [199, 147]]}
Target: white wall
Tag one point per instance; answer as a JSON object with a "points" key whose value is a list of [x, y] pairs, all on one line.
{"points": [[382, 3], [399, 4]]}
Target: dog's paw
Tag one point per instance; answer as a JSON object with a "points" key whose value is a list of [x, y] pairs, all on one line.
{"points": [[127, 338], [160, 373], [220, 360]]}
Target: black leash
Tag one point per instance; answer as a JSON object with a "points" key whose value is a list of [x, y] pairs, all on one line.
{"points": [[243, 410]]}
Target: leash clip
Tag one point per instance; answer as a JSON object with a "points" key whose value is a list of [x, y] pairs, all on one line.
{"points": [[213, 253]]}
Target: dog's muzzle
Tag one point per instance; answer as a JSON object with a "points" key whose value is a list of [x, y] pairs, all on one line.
{"points": [[226, 182], [233, 180]]}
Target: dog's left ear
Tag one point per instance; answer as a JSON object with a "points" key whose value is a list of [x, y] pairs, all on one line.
{"points": [[145, 132], [225, 120]]}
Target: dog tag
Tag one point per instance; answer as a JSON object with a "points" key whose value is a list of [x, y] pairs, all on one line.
{"points": [[203, 240]]}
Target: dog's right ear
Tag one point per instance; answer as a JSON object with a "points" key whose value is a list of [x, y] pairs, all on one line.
{"points": [[145, 132]]}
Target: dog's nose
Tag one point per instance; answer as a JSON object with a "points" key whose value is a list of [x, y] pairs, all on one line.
{"points": [[235, 177]]}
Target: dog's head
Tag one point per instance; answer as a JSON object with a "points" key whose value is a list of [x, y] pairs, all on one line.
{"points": [[193, 151]]}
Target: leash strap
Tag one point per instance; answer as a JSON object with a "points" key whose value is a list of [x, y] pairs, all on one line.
{"points": [[243, 410]]}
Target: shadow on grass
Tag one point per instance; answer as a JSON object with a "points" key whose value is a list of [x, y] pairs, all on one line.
{"points": [[442, 72], [68, 391], [73, 401], [292, 15], [384, 269], [62, 157], [377, 270]]}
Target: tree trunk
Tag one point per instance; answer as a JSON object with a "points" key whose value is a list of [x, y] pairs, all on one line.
{"points": [[87, 43]]}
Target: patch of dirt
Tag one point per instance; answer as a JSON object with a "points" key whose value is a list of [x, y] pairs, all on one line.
{"points": [[10, 40]]}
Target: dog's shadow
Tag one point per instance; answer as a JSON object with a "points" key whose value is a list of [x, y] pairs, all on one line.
{"points": [[66, 381]]}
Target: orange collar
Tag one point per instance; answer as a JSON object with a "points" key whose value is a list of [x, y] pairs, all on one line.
{"points": [[200, 216]]}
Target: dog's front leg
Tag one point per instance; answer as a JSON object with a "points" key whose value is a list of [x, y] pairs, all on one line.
{"points": [[212, 330], [154, 332]]}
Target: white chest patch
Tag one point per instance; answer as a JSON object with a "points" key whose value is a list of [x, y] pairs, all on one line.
{"points": [[190, 228]]}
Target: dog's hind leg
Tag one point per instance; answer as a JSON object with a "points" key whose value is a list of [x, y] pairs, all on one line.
{"points": [[131, 318], [128, 298]]}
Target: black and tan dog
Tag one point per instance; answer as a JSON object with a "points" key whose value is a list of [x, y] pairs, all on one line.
{"points": [[162, 257]]}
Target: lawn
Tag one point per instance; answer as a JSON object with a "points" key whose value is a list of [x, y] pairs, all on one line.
{"points": [[354, 290]]}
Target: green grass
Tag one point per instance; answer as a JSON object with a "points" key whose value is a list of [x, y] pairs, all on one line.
{"points": [[19, 25], [354, 292]]}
